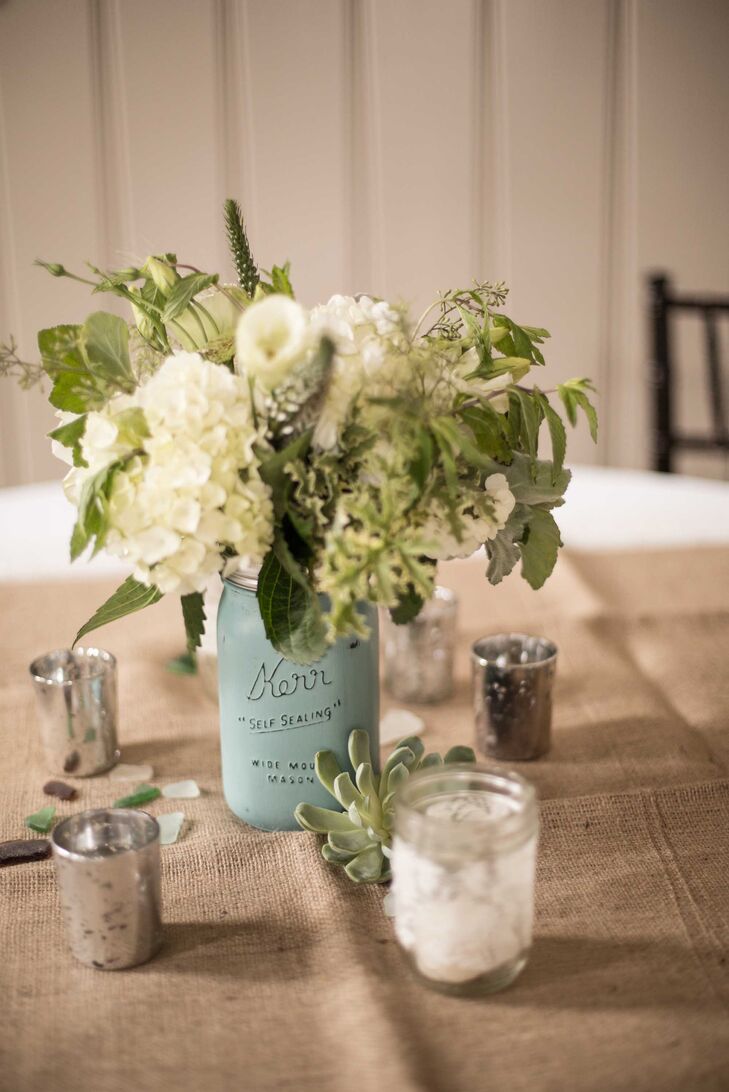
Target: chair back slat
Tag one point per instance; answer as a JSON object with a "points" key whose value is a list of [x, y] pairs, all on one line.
{"points": [[665, 306], [716, 381]]}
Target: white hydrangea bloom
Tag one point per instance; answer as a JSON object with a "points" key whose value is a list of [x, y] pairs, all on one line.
{"points": [[181, 499], [482, 518], [360, 328]]}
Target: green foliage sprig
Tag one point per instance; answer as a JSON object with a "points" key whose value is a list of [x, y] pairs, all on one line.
{"points": [[359, 838], [27, 373], [240, 248]]}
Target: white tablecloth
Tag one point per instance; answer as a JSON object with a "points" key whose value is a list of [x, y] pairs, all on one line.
{"points": [[606, 509]]}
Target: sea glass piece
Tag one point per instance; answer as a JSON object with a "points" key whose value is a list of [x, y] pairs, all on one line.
{"points": [[24, 850], [170, 825], [41, 821], [141, 795], [60, 789], [125, 772], [400, 723], [181, 790]]}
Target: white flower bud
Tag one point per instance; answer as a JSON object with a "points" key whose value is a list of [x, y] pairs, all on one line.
{"points": [[271, 339]]}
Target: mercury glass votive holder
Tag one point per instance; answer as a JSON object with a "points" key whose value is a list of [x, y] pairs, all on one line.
{"points": [[513, 676], [463, 866], [76, 695], [108, 871], [418, 656]]}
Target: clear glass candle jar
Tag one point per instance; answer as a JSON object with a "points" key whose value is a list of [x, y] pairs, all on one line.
{"points": [[463, 864], [418, 656]]}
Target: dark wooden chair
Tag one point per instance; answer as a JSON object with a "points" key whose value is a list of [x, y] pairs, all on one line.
{"points": [[665, 307]]}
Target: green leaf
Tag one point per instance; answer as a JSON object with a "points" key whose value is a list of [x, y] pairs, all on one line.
{"points": [[488, 428], [345, 792], [129, 597], [184, 291], [88, 364], [358, 746], [365, 780], [327, 769], [460, 754], [398, 776], [41, 821], [369, 866], [450, 436], [448, 463], [93, 510], [322, 820], [531, 418], [274, 473], [412, 743], [289, 608], [59, 350], [538, 487], [521, 341], [539, 548], [504, 550], [74, 390], [422, 462], [105, 339], [574, 395], [141, 795], [432, 759], [70, 435], [193, 613], [557, 434], [350, 841], [280, 281], [409, 606], [590, 412], [79, 540], [334, 856], [73, 395]]}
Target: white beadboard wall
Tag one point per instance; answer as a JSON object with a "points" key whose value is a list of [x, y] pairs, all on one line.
{"points": [[390, 146]]}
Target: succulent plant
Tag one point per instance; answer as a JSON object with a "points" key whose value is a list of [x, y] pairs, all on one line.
{"points": [[359, 838]]}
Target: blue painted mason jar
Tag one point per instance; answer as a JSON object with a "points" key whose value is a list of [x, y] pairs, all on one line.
{"points": [[275, 715]]}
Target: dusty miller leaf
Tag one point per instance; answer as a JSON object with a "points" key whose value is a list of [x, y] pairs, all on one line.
{"points": [[539, 548]]}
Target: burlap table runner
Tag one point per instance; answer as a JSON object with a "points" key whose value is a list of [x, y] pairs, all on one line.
{"points": [[278, 973]]}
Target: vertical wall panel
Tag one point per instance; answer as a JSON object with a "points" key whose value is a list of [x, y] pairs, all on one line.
{"points": [[555, 100], [424, 98], [625, 382], [48, 195], [171, 116], [298, 58]]}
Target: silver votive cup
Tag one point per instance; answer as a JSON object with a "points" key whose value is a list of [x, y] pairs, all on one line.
{"points": [[512, 695], [77, 710], [107, 867], [418, 656]]}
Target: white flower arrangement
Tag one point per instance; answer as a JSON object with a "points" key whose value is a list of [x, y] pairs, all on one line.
{"points": [[342, 449]]}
